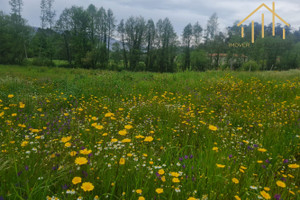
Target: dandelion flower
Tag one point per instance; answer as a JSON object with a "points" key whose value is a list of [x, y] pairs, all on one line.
{"points": [[81, 161], [265, 195], [236, 181], [213, 128], [280, 184], [159, 190], [76, 180], [293, 166], [122, 161], [161, 172], [87, 186], [220, 166], [148, 139]]}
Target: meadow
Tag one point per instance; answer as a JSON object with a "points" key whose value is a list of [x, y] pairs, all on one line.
{"points": [[92, 134]]}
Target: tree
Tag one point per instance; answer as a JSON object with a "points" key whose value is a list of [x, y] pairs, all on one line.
{"points": [[197, 33], [47, 14], [166, 44], [212, 27], [187, 39], [16, 9], [150, 37], [135, 28], [110, 28], [121, 31]]}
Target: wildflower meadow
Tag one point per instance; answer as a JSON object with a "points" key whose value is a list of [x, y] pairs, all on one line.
{"points": [[92, 134]]}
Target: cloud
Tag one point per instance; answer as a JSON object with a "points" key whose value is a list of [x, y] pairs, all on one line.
{"points": [[180, 12]]}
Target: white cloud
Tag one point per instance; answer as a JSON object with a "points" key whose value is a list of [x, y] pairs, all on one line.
{"points": [[180, 12]]}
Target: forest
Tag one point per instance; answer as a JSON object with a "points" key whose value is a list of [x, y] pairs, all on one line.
{"points": [[92, 38]]}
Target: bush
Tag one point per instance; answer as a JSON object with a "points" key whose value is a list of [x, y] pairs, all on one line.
{"points": [[42, 62], [251, 65]]}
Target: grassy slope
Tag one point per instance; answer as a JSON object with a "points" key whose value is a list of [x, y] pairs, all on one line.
{"points": [[260, 108]]}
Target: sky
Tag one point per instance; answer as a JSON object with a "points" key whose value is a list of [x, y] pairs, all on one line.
{"points": [[180, 12]]}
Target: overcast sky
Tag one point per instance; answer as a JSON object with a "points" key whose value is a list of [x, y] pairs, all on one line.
{"points": [[180, 12]]}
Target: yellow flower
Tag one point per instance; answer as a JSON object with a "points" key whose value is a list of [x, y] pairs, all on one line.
{"points": [[237, 197], [139, 136], [220, 166], [10, 96], [73, 153], [66, 139], [22, 105], [191, 198], [159, 190], [215, 149], [148, 139], [259, 161], [175, 180], [114, 140], [123, 132], [109, 114], [25, 143], [87, 186], [126, 140], [76, 180], [265, 195], [139, 191], [99, 127], [68, 144], [128, 127], [236, 181], [122, 161], [175, 174], [262, 149], [280, 184], [161, 172], [293, 166], [81, 161], [213, 128], [290, 191], [85, 151], [267, 189], [141, 198], [163, 179]]}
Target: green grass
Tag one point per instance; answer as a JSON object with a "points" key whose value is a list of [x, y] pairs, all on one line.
{"points": [[251, 112]]}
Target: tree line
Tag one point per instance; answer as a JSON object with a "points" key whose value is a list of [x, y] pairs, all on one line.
{"points": [[92, 38]]}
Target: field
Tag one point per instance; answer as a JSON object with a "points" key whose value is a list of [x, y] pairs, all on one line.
{"points": [[91, 134]]}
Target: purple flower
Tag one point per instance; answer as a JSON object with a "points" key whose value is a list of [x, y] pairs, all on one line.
{"points": [[285, 161], [284, 179], [180, 159], [186, 157], [26, 168], [255, 145], [19, 173], [1, 198], [157, 174], [191, 156], [85, 174], [183, 166], [230, 156], [263, 166], [267, 161], [65, 187], [277, 196]]}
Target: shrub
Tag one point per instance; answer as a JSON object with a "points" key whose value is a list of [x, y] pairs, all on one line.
{"points": [[42, 62], [251, 65]]}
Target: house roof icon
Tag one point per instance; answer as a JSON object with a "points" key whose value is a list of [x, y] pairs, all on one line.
{"points": [[271, 10]]}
